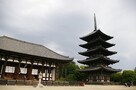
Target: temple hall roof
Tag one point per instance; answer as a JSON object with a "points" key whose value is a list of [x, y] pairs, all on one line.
{"points": [[19, 46]]}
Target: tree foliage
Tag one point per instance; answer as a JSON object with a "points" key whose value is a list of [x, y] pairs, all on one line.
{"points": [[135, 69], [117, 77], [83, 67], [70, 72], [79, 76], [128, 76], [68, 69]]}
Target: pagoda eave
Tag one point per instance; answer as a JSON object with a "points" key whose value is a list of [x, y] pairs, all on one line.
{"points": [[105, 59], [92, 52], [97, 42], [96, 34], [87, 45], [99, 68]]}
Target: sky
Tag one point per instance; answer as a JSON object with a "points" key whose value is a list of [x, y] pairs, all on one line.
{"points": [[58, 24]]}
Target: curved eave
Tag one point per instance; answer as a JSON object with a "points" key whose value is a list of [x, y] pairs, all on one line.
{"points": [[88, 61], [24, 55], [90, 69], [96, 34], [111, 69], [107, 69], [95, 42], [103, 51]]}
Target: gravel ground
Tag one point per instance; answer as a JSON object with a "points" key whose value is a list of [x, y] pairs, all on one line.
{"points": [[86, 87]]}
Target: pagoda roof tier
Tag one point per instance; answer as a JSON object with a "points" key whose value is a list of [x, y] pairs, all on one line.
{"points": [[96, 42], [99, 68], [102, 58], [98, 50], [96, 34]]}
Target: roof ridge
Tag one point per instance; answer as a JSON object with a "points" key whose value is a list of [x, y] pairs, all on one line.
{"points": [[21, 40]]}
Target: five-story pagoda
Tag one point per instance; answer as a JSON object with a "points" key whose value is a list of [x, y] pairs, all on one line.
{"points": [[98, 61]]}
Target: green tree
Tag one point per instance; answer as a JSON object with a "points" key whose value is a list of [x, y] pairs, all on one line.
{"points": [[82, 67], [70, 72], [128, 76], [117, 77], [135, 79], [72, 67], [70, 77], [135, 69], [67, 69], [79, 76]]}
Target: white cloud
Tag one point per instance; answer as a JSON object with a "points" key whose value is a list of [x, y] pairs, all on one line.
{"points": [[62, 22], [28, 16], [55, 47]]}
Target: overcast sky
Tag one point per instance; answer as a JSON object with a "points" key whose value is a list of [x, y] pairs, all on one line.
{"points": [[58, 24]]}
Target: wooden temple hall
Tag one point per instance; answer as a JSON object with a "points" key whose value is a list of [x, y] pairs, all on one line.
{"points": [[21, 60]]}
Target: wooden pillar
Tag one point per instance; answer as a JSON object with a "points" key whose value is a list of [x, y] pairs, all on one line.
{"points": [[108, 79], [102, 78], [91, 78], [53, 74], [43, 69], [1, 67], [4, 67], [57, 71], [60, 70], [39, 69], [105, 78], [49, 71], [94, 78], [56, 76], [29, 71], [17, 69]]}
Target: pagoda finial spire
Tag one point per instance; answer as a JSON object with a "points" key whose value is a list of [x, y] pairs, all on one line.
{"points": [[95, 24]]}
